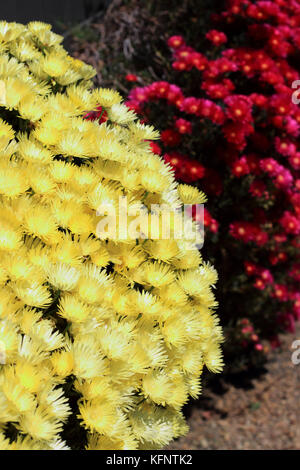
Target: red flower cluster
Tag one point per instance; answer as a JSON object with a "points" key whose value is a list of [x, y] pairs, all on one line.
{"points": [[186, 169], [237, 139]]}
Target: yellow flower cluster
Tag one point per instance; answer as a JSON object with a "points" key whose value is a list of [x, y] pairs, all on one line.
{"points": [[102, 335]]}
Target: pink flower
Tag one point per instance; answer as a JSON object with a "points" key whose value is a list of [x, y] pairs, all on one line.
{"points": [[290, 223], [183, 126], [270, 166], [139, 94], [294, 161], [247, 329], [284, 146], [266, 276], [284, 178]]}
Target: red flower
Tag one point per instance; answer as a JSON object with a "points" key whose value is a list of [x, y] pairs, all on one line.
{"points": [[175, 159], [259, 236], [284, 146], [183, 126], [259, 100], [258, 189], [170, 138], [240, 231], [240, 167], [194, 170], [181, 66], [190, 105], [155, 148], [270, 166], [236, 134], [130, 77], [250, 268], [216, 37], [253, 164], [259, 284], [174, 95], [284, 178], [174, 42], [210, 222], [218, 90], [139, 94], [239, 108], [100, 114], [198, 60]]}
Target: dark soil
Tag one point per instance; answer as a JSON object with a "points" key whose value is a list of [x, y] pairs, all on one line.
{"points": [[262, 413]]}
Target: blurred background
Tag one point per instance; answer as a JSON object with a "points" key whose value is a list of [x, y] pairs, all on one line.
{"points": [[54, 12]]}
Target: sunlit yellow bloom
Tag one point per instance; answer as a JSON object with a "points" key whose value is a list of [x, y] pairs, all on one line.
{"points": [[54, 64]]}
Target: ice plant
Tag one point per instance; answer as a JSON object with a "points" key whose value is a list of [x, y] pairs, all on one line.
{"points": [[102, 340]]}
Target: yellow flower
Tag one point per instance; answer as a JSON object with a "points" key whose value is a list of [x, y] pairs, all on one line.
{"points": [[62, 363], [73, 310], [24, 50], [62, 276], [88, 362], [105, 97], [32, 108], [54, 64], [10, 31], [33, 294], [6, 131], [39, 425], [191, 195], [40, 223], [16, 90], [158, 274]]}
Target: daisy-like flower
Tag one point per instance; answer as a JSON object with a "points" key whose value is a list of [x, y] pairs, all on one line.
{"points": [[62, 276], [191, 195], [106, 98], [158, 274], [33, 294], [54, 64], [39, 425]]}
